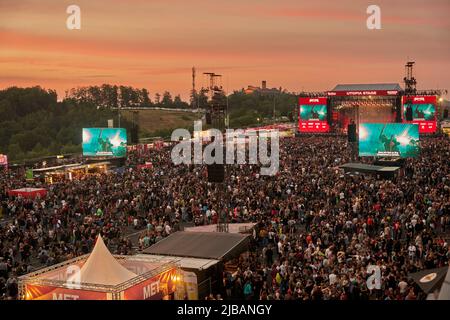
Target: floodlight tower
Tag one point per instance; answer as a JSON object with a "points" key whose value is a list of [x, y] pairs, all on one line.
{"points": [[213, 87], [410, 81], [216, 110]]}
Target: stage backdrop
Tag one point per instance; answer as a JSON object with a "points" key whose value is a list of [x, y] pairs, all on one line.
{"points": [[101, 142], [423, 112], [312, 116], [388, 140]]}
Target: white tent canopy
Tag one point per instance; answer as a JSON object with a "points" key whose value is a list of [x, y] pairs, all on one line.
{"points": [[102, 268]]}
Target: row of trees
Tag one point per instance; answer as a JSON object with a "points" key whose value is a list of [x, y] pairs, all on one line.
{"points": [[35, 124], [251, 109], [113, 96], [255, 108]]}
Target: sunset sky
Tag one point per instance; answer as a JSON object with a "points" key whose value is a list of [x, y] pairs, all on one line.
{"points": [[295, 44]]}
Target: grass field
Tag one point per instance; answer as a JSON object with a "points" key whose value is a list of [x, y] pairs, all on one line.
{"points": [[161, 122]]}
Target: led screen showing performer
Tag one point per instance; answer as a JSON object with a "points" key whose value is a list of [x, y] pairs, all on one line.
{"points": [[389, 140], [111, 142], [313, 112], [423, 112], [313, 115]]}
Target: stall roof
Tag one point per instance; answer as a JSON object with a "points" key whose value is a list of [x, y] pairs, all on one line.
{"points": [[185, 262], [72, 166], [431, 279], [62, 167], [207, 245], [232, 228], [97, 164], [368, 167]]}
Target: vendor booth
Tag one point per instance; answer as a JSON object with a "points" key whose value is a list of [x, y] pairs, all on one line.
{"points": [[102, 276], [3, 161], [205, 255], [29, 193], [71, 171]]}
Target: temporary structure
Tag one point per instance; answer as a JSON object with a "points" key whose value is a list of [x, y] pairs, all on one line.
{"points": [[103, 276], [434, 282], [28, 192], [102, 268], [232, 228]]}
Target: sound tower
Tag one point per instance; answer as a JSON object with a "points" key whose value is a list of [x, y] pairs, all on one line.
{"points": [[208, 118], [216, 172], [134, 130], [351, 130], [329, 113], [409, 113], [134, 134], [398, 110]]}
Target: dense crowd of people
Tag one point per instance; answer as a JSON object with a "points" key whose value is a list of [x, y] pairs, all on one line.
{"points": [[320, 234], [325, 235]]}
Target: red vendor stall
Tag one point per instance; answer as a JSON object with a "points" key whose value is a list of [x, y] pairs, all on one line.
{"points": [[30, 193]]}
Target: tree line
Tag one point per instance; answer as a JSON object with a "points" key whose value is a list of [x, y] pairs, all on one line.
{"points": [[113, 96], [35, 124]]}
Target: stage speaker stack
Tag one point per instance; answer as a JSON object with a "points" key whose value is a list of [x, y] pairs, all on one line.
{"points": [[208, 118], [351, 130], [409, 113], [216, 173], [134, 134]]}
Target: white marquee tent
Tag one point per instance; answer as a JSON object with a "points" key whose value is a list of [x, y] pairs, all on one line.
{"points": [[102, 268]]}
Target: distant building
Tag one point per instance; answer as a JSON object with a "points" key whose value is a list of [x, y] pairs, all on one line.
{"points": [[262, 90]]}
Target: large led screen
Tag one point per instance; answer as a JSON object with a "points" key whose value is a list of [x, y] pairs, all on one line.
{"points": [[312, 115], [101, 142], [313, 112], [423, 112], [388, 140]]}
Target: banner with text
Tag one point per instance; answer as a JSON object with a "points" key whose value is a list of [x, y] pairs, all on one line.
{"points": [[312, 115], [423, 111]]}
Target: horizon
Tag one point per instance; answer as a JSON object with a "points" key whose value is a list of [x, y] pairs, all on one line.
{"points": [[296, 46]]}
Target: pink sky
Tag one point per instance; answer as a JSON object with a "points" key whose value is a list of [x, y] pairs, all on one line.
{"points": [[296, 44]]}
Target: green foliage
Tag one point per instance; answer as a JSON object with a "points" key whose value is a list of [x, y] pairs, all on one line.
{"points": [[166, 101], [110, 96], [34, 124], [246, 109], [163, 133]]}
